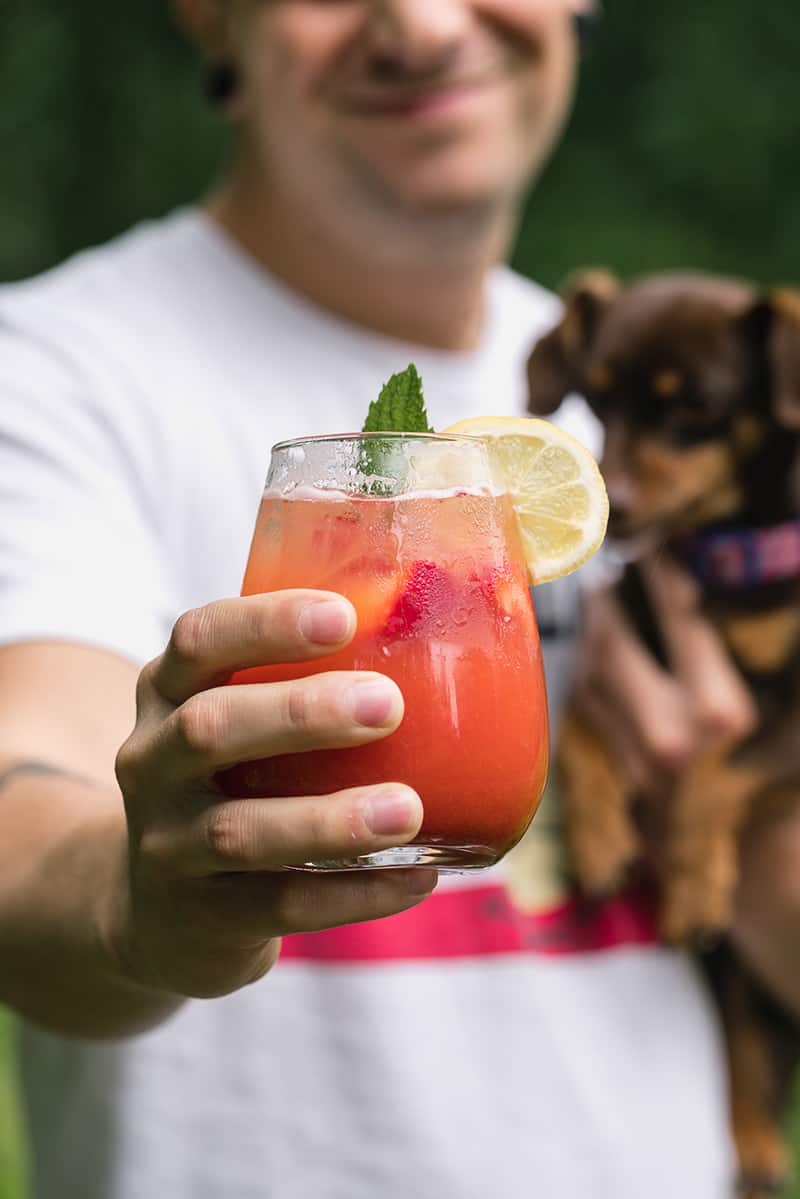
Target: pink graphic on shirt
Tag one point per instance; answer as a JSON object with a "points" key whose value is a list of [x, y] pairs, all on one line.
{"points": [[479, 922]]}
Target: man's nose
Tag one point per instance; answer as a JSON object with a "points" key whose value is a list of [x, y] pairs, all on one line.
{"points": [[418, 34]]}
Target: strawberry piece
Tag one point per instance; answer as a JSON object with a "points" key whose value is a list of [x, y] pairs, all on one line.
{"points": [[501, 588], [429, 593]]}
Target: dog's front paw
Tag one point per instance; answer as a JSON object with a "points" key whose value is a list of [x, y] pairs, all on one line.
{"points": [[765, 1168], [697, 907], [599, 831], [604, 852]]}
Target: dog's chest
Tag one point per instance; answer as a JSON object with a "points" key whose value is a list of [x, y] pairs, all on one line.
{"points": [[763, 643]]}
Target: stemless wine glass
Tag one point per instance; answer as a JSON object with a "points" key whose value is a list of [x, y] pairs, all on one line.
{"points": [[415, 530]]}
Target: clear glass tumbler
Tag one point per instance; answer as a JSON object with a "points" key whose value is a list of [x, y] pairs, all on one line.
{"points": [[417, 532]]}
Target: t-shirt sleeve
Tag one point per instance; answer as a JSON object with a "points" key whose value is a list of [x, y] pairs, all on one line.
{"points": [[80, 558]]}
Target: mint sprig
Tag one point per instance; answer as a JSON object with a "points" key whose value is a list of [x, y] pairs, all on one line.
{"points": [[400, 408]]}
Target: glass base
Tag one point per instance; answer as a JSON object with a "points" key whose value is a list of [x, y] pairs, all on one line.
{"points": [[448, 859]]}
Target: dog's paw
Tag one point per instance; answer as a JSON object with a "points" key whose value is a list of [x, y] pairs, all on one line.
{"points": [[599, 831], [603, 854], [694, 915], [697, 904], [765, 1166]]}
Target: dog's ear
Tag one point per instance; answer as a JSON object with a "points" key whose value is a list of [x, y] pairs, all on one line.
{"points": [[784, 356], [557, 363], [773, 321]]}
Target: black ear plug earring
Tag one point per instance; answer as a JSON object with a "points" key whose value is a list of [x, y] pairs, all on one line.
{"points": [[219, 84], [586, 24]]}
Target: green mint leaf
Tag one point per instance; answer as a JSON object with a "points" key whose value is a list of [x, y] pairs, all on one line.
{"points": [[400, 408]]}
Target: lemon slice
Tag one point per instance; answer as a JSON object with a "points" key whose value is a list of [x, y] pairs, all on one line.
{"points": [[555, 486]]}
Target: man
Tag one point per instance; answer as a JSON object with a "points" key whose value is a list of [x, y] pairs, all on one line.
{"points": [[381, 153]]}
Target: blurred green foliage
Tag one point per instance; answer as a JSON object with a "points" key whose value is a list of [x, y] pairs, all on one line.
{"points": [[11, 1155], [684, 147], [682, 152]]}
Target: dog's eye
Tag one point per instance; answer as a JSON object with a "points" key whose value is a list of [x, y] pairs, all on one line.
{"points": [[669, 383], [600, 379]]}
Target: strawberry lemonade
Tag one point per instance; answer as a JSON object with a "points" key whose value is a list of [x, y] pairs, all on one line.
{"points": [[436, 574], [436, 541]]}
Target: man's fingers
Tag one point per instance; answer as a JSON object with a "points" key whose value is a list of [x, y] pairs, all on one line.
{"points": [[719, 702], [227, 725], [208, 644], [623, 741], [637, 690], [254, 835], [258, 906]]}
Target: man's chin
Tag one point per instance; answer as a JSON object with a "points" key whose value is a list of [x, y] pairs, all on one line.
{"points": [[443, 190]]}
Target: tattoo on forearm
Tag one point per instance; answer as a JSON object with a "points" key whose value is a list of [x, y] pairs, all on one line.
{"points": [[20, 769]]}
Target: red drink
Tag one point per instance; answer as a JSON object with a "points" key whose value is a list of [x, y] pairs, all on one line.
{"points": [[440, 587]]}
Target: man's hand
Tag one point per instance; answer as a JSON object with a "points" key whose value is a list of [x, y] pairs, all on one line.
{"points": [[107, 923], [659, 720], [208, 898]]}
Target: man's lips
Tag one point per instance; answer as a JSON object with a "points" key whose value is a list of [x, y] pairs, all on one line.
{"points": [[430, 99]]}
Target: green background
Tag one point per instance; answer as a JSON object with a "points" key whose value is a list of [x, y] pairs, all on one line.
{"points": [[682, 149], [682, 152]]}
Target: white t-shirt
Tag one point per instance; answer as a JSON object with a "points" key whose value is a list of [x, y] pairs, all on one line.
{"points": [[502, 1038]]}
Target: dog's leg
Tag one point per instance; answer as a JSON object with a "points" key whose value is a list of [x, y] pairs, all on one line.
{"points": [[700, 866], [756, 1077], [599, 831]]}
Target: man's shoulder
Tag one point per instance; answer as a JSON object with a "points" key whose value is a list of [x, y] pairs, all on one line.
{"points": [[109, 280], [522, 300]]}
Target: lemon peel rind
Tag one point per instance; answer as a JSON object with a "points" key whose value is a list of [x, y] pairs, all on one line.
{"points": [[499, 431]]}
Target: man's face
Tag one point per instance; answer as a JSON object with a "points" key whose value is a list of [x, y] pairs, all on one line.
{"points": [[426, 105]]}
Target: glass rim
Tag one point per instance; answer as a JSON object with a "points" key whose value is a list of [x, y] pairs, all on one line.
{"points": [[323, 438]]}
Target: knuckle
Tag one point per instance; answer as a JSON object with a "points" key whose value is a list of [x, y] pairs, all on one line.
{"points": [[128, 766], [226, 834], [318, 827], [145, 684], [190, 634], [200, 725], [262, 618], [670, 751], [301, 707]]}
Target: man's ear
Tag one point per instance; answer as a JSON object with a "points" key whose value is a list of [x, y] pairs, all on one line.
{"points": [[557, 363]]}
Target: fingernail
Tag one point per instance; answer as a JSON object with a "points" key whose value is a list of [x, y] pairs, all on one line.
{"points": [[390, 813], [371, 704], [325, 623]]}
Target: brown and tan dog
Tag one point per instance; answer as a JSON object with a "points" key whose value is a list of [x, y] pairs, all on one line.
{"points": [[696, 381]]}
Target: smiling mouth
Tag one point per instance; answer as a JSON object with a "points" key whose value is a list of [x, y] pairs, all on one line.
{"points": [[420, 99]]}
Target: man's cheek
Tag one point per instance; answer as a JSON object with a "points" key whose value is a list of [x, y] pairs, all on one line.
{"points": [[533, 20]]}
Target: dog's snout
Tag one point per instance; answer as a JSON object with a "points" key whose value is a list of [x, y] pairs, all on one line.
{"points": [[621, 493]]}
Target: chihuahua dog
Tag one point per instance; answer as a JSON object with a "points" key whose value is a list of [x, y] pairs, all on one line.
{"points": [[696, 381]]}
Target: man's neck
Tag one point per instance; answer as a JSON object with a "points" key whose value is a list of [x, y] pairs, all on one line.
{"points": [[420, 280]]}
